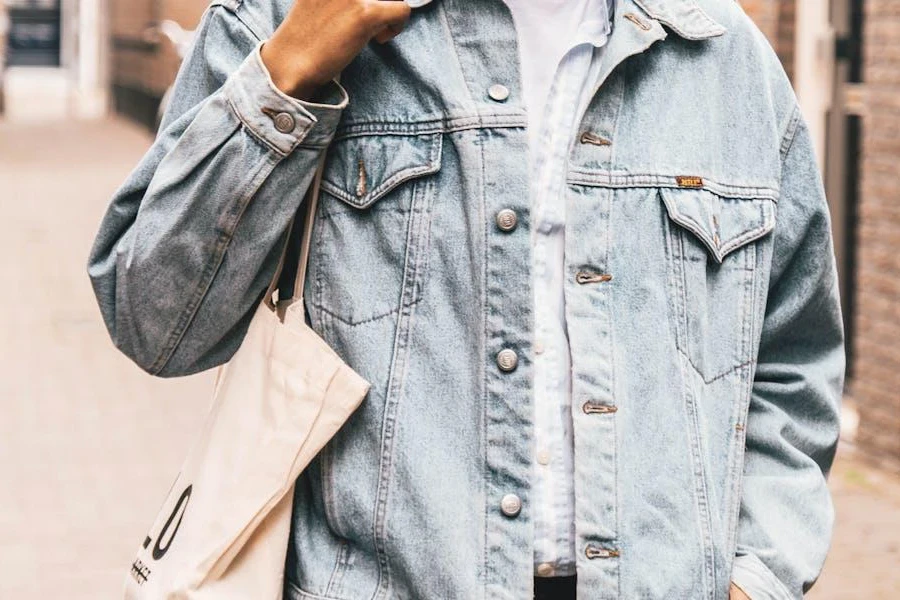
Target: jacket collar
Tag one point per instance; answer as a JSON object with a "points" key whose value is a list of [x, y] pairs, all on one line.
{"points": [[685, 17]]}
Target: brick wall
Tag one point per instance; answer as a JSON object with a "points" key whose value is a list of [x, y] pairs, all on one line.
{"points": [[141, 69], [876, 343]]}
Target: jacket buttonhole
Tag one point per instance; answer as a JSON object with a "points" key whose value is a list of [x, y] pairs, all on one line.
{"points": [[637, 21], [585, 277], [588, 137], [599, 409], [362, 184], [593, 552]]}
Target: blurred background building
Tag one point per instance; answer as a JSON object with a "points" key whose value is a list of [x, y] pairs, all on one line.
{"points": [[56, 55], [144, 63], [87, 58]]}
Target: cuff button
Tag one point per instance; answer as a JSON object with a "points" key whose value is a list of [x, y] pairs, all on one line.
{"points": [[284, 122]]}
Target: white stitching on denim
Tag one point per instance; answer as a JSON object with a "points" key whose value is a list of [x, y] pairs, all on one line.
{"points": [[608, 179]]}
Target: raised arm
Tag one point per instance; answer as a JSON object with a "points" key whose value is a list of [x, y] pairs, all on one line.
{"points": [[191, 240]]}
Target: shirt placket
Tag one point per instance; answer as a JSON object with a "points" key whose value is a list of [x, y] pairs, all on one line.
{"points": [[554, 534]]}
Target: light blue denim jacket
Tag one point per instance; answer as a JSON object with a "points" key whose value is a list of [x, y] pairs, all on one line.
{"points": [[701, 300]]}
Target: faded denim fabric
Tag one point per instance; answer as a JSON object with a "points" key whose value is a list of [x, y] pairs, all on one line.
{"points": [[707, 370]]}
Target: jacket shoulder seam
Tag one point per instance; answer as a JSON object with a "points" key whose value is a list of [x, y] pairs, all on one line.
{"points": [[234, 8], [790, 132]]}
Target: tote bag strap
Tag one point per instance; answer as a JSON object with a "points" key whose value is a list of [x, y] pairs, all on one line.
{"points": [[309, 221], [290, 277]]}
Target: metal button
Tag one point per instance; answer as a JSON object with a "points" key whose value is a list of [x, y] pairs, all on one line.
{"points": [[511, 505], [545, 570], [498, 93], [284, 122], [507, 360], [543, 457], [507, 220]]}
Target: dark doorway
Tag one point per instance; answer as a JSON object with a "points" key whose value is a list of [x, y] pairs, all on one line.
{"points": [[34, 35], [842, 172], [852, 51]]}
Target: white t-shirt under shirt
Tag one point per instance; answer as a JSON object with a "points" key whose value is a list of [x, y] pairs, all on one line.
{"points": [[559, 42]]}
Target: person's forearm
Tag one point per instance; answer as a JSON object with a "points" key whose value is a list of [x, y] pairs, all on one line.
{"points": [[318, 39]]}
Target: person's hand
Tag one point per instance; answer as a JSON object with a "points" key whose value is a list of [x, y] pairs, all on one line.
{"points": [[737, 593], [319, 38]]}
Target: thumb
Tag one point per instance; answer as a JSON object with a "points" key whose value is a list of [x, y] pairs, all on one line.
{"points": [[387, 34], [390, 14]]}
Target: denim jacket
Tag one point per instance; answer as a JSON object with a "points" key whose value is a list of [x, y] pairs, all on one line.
{"points": [[701, 299]]}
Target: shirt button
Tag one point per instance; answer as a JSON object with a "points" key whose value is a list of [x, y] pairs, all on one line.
{"points": [[538, 348], [545, 570], [543, 457], [511, 505], [284, 122], [507, 220], [507, 360], [498, 93]]}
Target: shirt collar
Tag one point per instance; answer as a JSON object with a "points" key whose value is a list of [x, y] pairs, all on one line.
{"points": [[597, 26]]}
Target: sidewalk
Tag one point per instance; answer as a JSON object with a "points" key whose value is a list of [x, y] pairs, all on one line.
{"points": [[864, 562], [89, 445]]}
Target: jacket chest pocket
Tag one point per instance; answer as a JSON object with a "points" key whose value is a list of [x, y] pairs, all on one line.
{"points": [[713, 247], [373, 225]]}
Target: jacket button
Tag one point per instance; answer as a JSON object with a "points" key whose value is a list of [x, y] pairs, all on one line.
{"points": [[498, 93], [511, 505], [284, 122], [507, 220], [507, 360]]}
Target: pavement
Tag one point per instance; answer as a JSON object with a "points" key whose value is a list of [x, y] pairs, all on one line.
{"points": [[89, 445]]}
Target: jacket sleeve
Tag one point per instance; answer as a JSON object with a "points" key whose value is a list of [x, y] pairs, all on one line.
{"points": [[192, 239], [792, 428]]}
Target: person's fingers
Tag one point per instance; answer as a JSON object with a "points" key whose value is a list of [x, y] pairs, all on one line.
{"points": [[389, 13], [387, 34]]}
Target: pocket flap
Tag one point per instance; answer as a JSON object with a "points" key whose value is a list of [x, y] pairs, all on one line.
{"points": [[360, 170], [722, 224]]}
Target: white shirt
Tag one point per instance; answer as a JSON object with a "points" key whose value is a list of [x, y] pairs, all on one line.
{"points": [[560, 42]]}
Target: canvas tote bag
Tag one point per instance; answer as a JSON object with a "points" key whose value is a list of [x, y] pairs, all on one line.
{"points": [[223, 530]]}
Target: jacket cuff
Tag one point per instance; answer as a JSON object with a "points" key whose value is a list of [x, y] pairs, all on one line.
{"points": [[277, 119], [757, 580]]}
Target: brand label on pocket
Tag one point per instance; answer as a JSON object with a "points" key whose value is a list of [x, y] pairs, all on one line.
{"points": [[691, 181]]}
